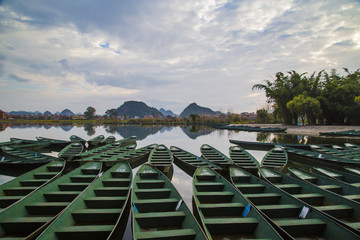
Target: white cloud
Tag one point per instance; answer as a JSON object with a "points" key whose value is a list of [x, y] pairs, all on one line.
{"points": [[175, 52]]}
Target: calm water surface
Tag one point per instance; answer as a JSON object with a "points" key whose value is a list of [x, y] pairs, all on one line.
{"points": [[189, 138]]}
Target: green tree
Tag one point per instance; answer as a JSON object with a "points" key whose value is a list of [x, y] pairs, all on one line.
{"points": [[194, 118], [112, 113], [90, 113], [305, 107], [262, 116]]}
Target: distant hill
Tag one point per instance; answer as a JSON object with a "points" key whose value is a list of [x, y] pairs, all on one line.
{"points": [[193, 108], [47, 113], [67, 112], [167, 112], [134, 109]]}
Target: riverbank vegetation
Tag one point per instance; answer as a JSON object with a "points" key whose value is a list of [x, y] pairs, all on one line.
{"points": [[319, 98]]}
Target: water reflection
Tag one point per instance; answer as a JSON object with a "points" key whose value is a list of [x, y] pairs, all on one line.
{"points": [[194, 131]]}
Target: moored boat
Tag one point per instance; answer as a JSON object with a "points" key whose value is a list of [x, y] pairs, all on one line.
{"points": [[352, 179], [224, 212], [28, 144], [28, 216], [352, 153], [215, 156], [14, 190], [100, 212], [290, 215], [352, 146], [353, 170], [190, 162], [244, 159], [267, 146], [107, 140], [57, 143], [74, 138], [334, 152], [94, 142], [158, 211], [161, 158], [109, 147], [19, 157], [71, 151], [275, 158], [344, 210], [103, 156], [344, 189]]}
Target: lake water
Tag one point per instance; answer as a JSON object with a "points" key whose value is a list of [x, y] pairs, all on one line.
{"points": [[189, 138]]}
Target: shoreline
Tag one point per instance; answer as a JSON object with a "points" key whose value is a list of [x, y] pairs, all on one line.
{"points": [[306, 129]]}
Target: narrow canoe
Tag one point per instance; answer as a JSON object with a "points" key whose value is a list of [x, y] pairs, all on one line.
{"points": [[158, 211], [334, 152], [28, 144], [103, 156], [71, 151], [161, 158], [190, 162], [134, 157], [30, 215], [347, 151], [18, 157], [54, 142], [290, 215], [339, 175], [108, 147], [97, 210], [94, 142], [244, 159], [267, 146], [344, 189], [348, 133], [275, 158], [352, 146], [319, 159], [107, 140], [341, 209], [224, 212], [215, 156], [74, 138], [14, 190]]}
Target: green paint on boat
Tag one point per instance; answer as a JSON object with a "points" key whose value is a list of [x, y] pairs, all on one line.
{"points": [[100, 212], [275, 158], [215, 156], [161, 158], [244, 159], [29, 216], [71, 151], [158, 211], [94, 142], [224, 212]]}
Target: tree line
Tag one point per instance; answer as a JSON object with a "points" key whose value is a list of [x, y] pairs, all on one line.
{"points": [[319, 98]]}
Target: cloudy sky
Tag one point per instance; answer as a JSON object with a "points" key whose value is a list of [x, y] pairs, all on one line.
{"points": [[75, 54]]}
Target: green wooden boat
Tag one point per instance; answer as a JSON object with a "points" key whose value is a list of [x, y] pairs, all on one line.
{"points": [[30, 215], [339, 175], [108, 140], [100, 212], [94, 142], [243, 159], [224, 212], [14, 190], [158, 211], [353, 170], [339, 208], [266, 146], [71, 151], [275, 158], [319, 159], [54, 142], [74, 138], [352, 146], [354, 154], [28, 144], [190, 162], [19, 157], [134, 157], [215, 156], [109, 147], [347, 133], [289, 215], [103, 156], [161, 158], [344, 189], [333, 152]]}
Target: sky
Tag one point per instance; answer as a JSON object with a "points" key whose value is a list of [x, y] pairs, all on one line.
{"points": [[74, 54]]}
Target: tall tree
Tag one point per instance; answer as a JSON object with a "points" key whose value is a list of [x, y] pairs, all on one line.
{"points": [[90, 113], [112, 113]]}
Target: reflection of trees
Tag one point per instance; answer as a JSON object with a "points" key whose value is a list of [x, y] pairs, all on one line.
{"points": [[194, 131], [3, 126], [89, 129], [141, 132], [263, 137]]}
